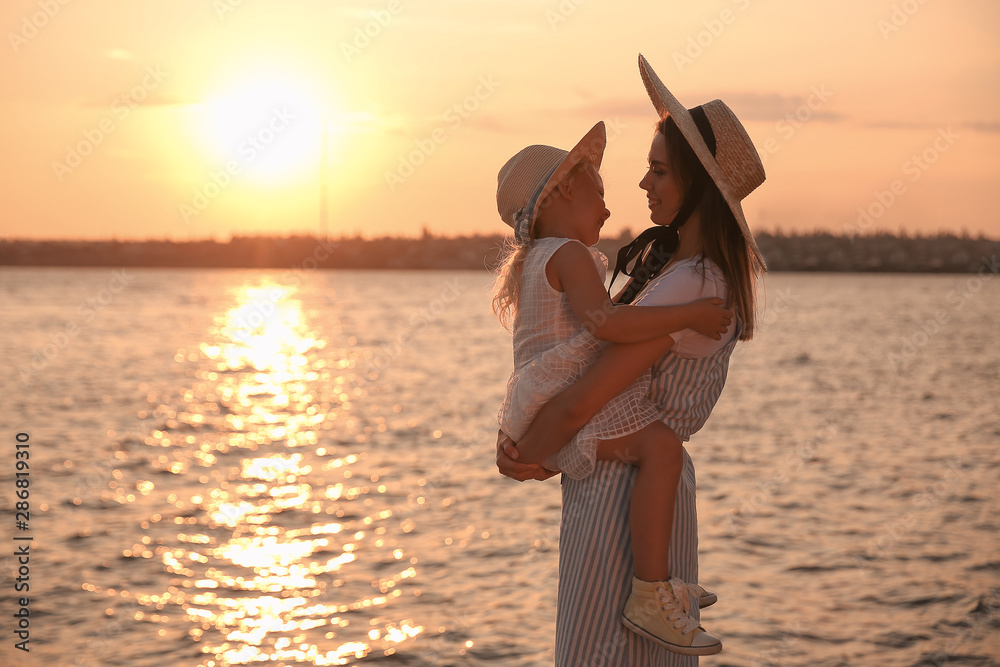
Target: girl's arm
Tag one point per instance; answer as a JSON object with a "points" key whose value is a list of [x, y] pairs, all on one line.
{"points": [[571, 270], [567, 412]]}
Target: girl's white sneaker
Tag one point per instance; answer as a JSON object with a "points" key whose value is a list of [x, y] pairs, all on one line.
{"points": [[705, 598], [660, 611]]}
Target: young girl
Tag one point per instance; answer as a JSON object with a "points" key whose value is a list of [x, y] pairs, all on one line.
{"points": [[551, 286]]}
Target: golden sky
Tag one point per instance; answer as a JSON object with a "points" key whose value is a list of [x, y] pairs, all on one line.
{"points": [[205, 118]]}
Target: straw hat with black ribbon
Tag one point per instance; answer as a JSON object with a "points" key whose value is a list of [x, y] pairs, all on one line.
{"points": [[528, 177], [723, 147]]}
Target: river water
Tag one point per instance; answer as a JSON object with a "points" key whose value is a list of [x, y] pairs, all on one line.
{"points": [[232, 467]]}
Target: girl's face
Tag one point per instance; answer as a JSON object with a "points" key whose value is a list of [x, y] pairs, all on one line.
{"points": [[592, 210], [663, 191]]}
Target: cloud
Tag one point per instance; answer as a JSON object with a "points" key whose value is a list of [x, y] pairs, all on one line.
{"points": [[119, 54], [458, 16], [974, 126], [774, 106], [747, 106], [899, 125], [982, 126], [151, 99], [639, 108]]}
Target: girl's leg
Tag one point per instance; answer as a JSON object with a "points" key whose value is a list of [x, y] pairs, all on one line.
{"points": [[656, 451], [658, 608]]}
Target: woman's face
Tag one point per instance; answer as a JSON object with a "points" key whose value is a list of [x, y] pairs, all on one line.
{"points": [[663, 191]]}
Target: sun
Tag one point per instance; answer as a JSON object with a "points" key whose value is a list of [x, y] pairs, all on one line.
{"points": [[267, 126]]}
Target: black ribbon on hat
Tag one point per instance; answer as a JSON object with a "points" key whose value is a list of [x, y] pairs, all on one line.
{"points": [[654, 247]]}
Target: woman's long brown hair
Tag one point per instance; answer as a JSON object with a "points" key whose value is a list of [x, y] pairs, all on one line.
{"points": [[722, 239]]}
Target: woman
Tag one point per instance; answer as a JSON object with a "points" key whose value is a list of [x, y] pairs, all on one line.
{"points": [[701, 165]]}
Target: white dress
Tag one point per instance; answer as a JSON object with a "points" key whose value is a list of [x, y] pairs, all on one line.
{"points": [[551, 352]]}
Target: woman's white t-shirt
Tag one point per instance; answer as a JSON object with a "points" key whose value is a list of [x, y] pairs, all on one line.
{"points": [[688, 280]]}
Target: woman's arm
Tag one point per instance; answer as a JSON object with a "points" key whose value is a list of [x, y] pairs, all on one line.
{"points": [[569, 411], [571, 270]]}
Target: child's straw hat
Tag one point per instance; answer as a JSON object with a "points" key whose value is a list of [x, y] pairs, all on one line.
{"points": [[526, 178], [718, 139]]}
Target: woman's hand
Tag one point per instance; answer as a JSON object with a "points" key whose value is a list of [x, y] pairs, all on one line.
{"points": [[710, 318], [508, 466]]}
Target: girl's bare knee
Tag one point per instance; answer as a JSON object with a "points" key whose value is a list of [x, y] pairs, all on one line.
{"points": [[660, 451]]}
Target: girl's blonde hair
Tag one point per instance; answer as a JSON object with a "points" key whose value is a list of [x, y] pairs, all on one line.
{"points": [[507, 287]]}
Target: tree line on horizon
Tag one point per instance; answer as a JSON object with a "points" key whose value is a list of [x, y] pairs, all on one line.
{"points": [[818, 251]]}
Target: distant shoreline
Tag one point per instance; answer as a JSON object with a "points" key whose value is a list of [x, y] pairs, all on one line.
{"points": [[819, 252]]}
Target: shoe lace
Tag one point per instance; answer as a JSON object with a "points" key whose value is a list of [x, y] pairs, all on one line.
{"points": [[678, 604]]}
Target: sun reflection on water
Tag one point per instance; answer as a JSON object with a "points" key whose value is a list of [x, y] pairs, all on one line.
{"points": [[265, 514]]}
